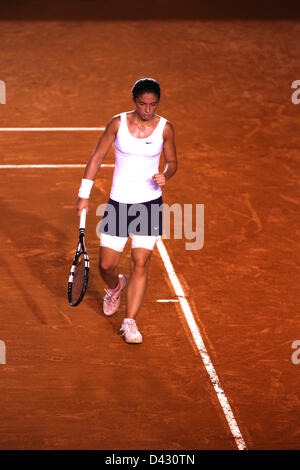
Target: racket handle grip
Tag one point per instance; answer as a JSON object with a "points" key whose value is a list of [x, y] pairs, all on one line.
{"points": [[82, 219]]}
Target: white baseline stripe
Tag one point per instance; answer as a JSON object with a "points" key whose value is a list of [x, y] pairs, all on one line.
{"points": [[63, 165], [49, 129], [201, 347]]}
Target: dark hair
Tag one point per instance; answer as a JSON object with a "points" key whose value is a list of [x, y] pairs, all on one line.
{"points": [[145, 85]]}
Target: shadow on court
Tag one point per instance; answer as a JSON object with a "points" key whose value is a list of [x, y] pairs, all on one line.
{"points": [[41, 256], [30, 248]]}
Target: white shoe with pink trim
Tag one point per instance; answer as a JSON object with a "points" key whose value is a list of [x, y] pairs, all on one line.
{"points": [[112, 298], [130, 331]]}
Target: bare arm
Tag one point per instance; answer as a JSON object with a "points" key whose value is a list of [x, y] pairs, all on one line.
{"points": [[170, 155], [94, 162], [102, 148]]}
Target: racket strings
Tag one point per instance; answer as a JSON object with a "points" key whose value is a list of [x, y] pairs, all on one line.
{"points": [[78, 278]]}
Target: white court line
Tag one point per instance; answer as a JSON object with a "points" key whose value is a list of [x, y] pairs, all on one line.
{"points": [[63, 165], [50, 129], [201, 347]]}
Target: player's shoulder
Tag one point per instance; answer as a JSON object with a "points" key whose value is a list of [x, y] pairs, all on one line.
{"points": [[169, 130], [166, 121], [114, 124]]}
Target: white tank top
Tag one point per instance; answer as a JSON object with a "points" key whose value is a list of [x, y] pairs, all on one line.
{"points": [[136, 161]]}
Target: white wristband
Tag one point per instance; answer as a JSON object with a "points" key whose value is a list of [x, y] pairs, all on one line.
{"points": [[85, 188]]}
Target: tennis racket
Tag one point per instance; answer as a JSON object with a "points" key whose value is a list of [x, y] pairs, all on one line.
{"points": [[79, 274]]}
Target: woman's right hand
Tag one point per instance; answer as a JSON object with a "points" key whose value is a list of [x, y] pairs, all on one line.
{"points": [[82, 203]]}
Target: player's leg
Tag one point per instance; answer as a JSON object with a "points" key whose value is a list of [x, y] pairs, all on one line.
{"points": [[137, 283], [109, 266], [141, 251], [111, 248]]}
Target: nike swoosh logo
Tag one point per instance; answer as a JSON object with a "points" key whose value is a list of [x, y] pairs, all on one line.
{"points": [[149, 142]]}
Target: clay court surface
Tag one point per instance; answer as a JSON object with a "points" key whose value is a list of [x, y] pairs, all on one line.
{"points": [[70, 381]]}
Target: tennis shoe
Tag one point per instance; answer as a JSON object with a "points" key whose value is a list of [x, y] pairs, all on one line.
{"points": [[112, 298], [130, 331]]}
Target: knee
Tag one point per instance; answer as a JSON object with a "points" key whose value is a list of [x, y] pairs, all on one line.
{"points": [[106, 266], [140, 264]]}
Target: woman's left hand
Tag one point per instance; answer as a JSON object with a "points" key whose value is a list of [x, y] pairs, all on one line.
{"points": [[159, 179]]}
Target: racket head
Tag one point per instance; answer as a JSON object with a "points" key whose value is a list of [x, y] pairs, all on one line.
{"points": [[79, 276]]}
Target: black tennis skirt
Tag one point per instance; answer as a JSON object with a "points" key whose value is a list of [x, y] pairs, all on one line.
{"points": [[143, 218]]}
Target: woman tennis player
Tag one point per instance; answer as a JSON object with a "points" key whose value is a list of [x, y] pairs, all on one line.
{"points": [[139, 137]]}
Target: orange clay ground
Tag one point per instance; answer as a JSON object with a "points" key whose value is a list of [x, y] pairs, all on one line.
{"points": [[70, 381]]}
